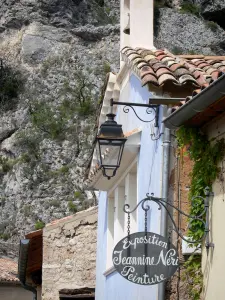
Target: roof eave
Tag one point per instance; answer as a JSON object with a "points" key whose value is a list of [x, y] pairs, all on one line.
{"points": [[197, 104]]}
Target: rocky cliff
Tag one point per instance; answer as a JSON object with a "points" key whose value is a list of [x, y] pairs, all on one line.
{"points": [[55, 55], [190, 26]]}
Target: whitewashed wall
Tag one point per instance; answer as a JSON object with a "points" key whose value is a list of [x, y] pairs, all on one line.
{"points": [[114, 286]]}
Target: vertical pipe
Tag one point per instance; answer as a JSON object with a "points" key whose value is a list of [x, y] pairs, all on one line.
{"points": [[165, 189]]}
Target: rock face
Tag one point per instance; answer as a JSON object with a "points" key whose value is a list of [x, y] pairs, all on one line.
{"points": [[55, 57], [183, 30], [187, 33], [213, 10]]}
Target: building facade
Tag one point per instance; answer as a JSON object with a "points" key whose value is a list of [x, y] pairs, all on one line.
{"points": [[149, 163], [61, 258], [139, 174]]}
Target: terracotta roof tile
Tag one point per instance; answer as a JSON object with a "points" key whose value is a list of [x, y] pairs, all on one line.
{"points": [[8, 270], [156, 66]]}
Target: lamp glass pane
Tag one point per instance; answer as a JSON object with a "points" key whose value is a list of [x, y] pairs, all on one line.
{"points": [[111, 151], [110, 172]]}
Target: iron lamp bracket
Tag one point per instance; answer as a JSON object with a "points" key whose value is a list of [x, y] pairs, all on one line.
{"points": [[151, 109]]}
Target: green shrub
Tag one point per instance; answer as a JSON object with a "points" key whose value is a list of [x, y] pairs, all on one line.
{"points": [[101, 12], [2, 201], [177, 50], [212, 25], [77, 194], [48, 63], [64, 169], [29, 140], [25, 158], [72, 206], [45, 118], [26, 210], [61, 171], [55, 203], [11, 84], [39, 225], [4, 236], [190, 8], [106, 67], [6, 164], [85, 109], [159, 3]]}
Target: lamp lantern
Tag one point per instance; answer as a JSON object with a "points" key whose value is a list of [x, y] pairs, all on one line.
{"points": [[110, 145]]}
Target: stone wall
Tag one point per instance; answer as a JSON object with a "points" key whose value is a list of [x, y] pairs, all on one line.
{"points": [[69, 254]]}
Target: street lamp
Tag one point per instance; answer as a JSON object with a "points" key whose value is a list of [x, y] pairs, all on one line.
{"points": [[110, 138], [110, 142]]}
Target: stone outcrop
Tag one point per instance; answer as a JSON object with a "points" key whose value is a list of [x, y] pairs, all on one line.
{"points": [[61, 51], [213, 10], [186, 33]]}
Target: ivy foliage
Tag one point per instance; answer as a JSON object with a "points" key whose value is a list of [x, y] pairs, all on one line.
{"points": [[194, 273], [206, 155]]}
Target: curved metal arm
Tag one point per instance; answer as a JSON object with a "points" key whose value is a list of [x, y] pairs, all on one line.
{"points": [[149, 110], [161, 202]]}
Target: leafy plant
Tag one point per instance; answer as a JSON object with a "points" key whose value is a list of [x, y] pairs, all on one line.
{"points": [[190, 8], [72, 206], [159, 3], [29, 141], [27, 210], [46, 119], [106, 67], [102, 12], [206, 155], [6, 164], [192, 272], [77, 194], [212, 25], [177, 50], [4, 236], [39, 225], [55, 203]]}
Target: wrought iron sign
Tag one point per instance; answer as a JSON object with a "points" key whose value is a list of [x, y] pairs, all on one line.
{"points": [[147, 258]]}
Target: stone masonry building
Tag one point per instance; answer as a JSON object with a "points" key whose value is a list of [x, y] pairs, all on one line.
{"points": [[63, 256]]}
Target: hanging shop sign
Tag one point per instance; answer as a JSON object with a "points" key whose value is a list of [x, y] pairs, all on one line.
{"points": [[145, 258]]}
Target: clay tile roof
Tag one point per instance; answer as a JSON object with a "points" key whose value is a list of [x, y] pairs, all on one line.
{"points": [[157, 66], [8, 270]]}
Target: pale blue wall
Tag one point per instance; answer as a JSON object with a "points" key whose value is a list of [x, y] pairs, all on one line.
{"points": [[114, 286]]}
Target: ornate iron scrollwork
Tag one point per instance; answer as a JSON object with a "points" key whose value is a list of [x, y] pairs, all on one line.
{"points": [[150, 109], [162, 203]]}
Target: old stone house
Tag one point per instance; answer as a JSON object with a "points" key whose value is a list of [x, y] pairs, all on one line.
{"points": [[10, 286], [58, 262]]}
